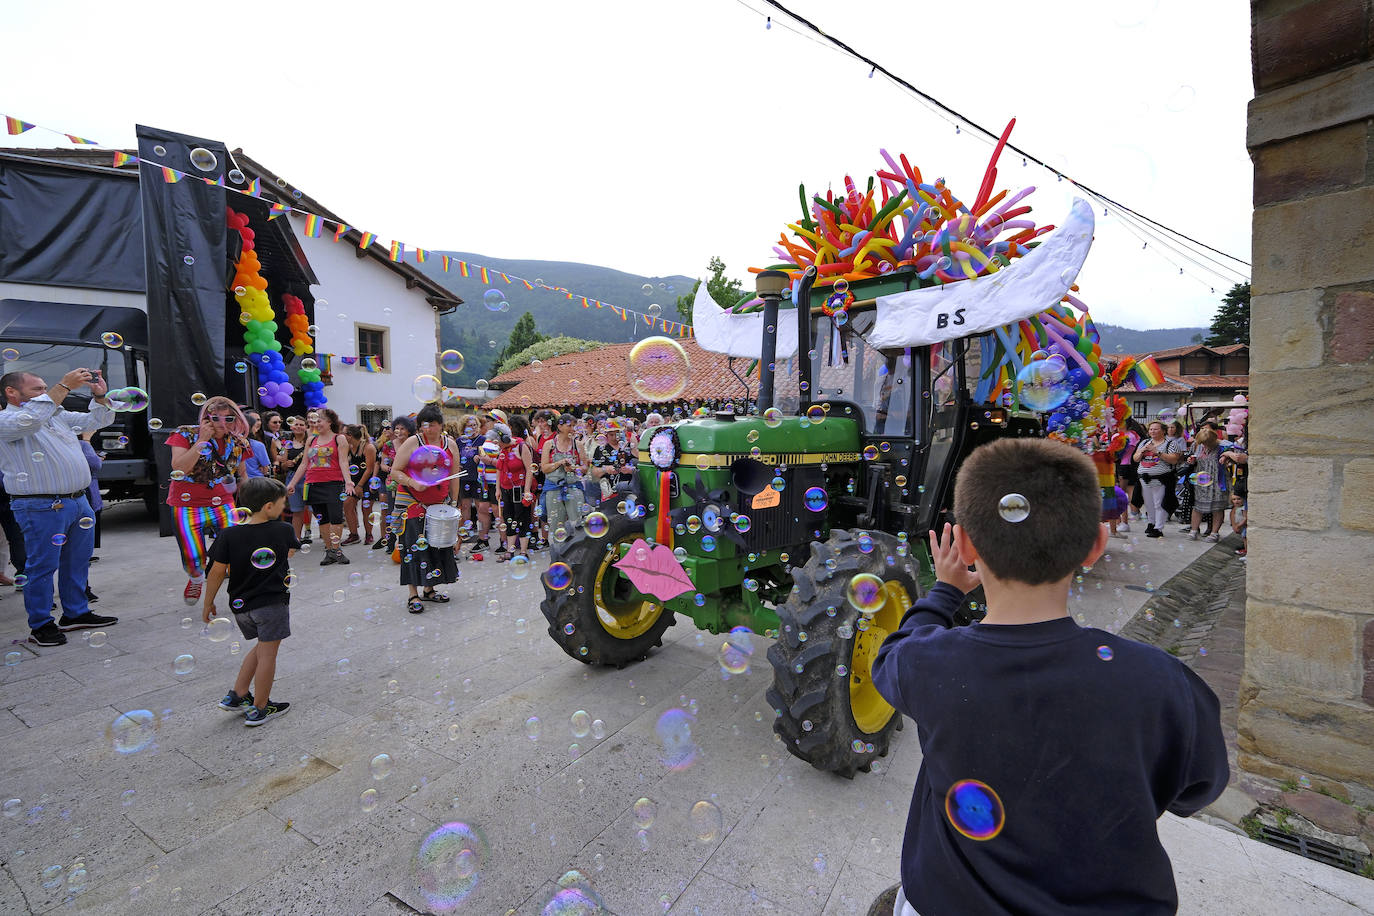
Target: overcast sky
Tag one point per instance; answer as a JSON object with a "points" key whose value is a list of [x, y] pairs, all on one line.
{"points": [[648, 136]]}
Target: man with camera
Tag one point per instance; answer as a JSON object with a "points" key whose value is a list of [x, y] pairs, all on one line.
{"points": [[46, 475]]}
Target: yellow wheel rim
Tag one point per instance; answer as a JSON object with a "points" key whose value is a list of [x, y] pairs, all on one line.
{"points": [[871, 711], [623, 618]]}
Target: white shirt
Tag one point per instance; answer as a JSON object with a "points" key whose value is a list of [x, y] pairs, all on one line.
{"points": [[39, 427]]}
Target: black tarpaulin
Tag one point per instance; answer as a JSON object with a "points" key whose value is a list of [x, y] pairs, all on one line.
{"points": [[184, 267], [62, 227]]}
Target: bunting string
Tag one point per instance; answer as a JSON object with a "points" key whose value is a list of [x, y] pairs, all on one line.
{"points": [[314, 227]]}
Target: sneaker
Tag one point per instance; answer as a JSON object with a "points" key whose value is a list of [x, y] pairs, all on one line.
{"points": [[191, 594], [1154, 533], [328, 559], [380, 545], [1124, 526], [1240, 552], [91, 597], [351, 539], [500, 548], [235, 703], [1214, 536], [340, 557], [1192, 535], [47, 635], [256, 716], [481, 544], [87, 621], [1184, 529]]}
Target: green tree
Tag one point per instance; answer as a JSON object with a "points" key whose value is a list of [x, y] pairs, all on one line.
{"points": [[725, 291], [523, 335], [1232, 322]]}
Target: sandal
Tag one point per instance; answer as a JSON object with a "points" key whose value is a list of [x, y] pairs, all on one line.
{"points": [[430, 594], [415, 606]]}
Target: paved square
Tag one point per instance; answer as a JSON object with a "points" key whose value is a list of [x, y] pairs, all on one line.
{"points": [[474, 706]]}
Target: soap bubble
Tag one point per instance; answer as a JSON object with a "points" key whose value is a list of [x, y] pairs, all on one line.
{"points": [[380, 767], [518, 568], [494, 299], [219, 629], [449, 865], [59, 539], [574, 897], [581, 724], [536, 365], [532, 728], [1013, 507], [677, 750], [128, 400], [451, 361], [736, 651], [203, 159], [596, 524], [13, 657], [870, 452], [974, 809], [198, 398], [816, 499], [132, 731], [481, 384], [236, 176], [426, 389], [263, 558], [426, 464], [9, 353], [706, 821], [368, 801], [558, 576], [772, 418], [184, 664], [865, 593], [645, 810], [1104, 653], [112, 339], [658, 368], [98, 639], [1043, 385]]}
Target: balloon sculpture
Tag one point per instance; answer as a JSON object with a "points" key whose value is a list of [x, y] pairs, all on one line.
{"points": [[259, 327]]}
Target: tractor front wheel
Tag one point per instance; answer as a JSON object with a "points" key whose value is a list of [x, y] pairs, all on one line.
{"points": [[601, 618], [827, 710]]}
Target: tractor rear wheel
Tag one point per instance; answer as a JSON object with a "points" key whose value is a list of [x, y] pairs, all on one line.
{"points": [[601, 618], [828, 712]]}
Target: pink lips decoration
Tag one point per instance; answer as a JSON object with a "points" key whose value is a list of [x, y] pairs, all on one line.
{"points": [[654, 570]]}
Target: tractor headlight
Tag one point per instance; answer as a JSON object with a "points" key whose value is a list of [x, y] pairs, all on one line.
{"points": [[663, 449]]}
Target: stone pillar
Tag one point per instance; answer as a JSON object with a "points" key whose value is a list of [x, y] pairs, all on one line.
{"points": [[1307, 694]]}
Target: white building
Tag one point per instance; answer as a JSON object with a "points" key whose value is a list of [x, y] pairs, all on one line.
{"points": [[366, 305]]}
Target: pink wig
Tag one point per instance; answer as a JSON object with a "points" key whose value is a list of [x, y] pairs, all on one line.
{"points": [[239, 427]]}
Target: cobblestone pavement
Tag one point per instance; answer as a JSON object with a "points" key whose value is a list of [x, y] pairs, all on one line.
{"points": [[211, 817]]}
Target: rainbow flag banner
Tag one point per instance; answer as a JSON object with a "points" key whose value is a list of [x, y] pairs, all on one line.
{"points": [[277, 210], [339, 230], [16, 126], [420, 255], [81, 141], [463, 268], [485, 277], [370, 363], [255, 188], [398, 250], [366, 241], [171, 176], [312, 226], [445, 259], [123, 159]]}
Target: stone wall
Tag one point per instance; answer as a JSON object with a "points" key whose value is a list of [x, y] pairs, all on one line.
{"points": [[1307, 696]]}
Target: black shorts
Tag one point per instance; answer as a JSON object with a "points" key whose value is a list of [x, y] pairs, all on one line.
{"points": [[489, 493], [467, 488], [1126, 473], [325, 500], [269, 623]]}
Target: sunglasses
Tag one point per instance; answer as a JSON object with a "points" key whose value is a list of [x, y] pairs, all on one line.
{"points": [[218, 419]]}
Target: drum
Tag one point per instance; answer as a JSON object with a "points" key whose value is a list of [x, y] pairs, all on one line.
{"points": [[441, 525]]}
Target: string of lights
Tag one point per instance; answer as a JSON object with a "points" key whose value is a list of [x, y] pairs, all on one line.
{"points": [[1173, 240]]}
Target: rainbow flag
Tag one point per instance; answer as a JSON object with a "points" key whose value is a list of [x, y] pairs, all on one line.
{"points": [[339, 230], [445, 258], [528, 284], [420, 255], [171, 176], [123, 158], [277, 210], [1147, 373], [370, 363], [312, 226], [398, 250], [366, 241], [463, 268], [504, 277], [485, 277], [16, 126], [79, 140], [253, 189]]}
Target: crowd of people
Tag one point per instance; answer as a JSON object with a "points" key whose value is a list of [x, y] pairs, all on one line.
{"points": [[1196, 478]]}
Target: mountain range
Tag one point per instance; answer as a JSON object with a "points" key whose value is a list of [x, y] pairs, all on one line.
{"points": [[480, 332]]}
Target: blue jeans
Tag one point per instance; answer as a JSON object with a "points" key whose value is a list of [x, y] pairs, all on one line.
{"points": [[70, 560]]}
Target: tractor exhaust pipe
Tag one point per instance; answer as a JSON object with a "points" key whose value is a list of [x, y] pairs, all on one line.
{"points": [[801, 297], [769, 285]]}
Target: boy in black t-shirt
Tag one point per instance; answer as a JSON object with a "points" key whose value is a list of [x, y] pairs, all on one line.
{"points": [[1049, 750], [255, 556]]}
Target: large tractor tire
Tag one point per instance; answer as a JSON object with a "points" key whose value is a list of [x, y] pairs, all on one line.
{"points": [[600, 618], [828, 712]]}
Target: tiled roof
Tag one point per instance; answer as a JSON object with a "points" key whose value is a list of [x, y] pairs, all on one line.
{"points": [[1229, 349], [1175, 352], [601, 376], [1213, 382]]}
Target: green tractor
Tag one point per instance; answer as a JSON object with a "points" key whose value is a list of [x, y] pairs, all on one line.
{"points": [[803, 521]]}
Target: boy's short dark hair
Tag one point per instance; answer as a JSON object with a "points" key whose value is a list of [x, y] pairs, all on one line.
{"points": [[256, 492], [1060, 485]]}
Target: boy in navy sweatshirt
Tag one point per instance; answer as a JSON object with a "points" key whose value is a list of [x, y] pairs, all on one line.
{"points": [[1049, 749]]}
